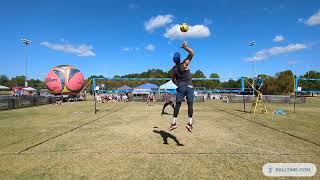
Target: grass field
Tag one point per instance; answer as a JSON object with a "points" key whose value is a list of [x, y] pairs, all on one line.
{"points": [[126, 141]]}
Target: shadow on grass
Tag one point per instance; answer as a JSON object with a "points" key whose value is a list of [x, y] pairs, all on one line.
{"points": [[166, 135], [165, 113], [247, 112]]}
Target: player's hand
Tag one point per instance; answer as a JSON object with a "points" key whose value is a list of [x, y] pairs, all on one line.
{"points": [[184, 45]]}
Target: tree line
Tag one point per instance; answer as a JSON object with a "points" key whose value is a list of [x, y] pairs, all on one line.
{"points": [[19, 81], [280, 83]]}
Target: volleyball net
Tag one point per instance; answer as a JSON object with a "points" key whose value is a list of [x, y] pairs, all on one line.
{"points": [[307, 85], [164, 85]]}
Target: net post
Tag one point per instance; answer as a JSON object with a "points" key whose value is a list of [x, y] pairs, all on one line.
{"points": [[243, 97], [244, 103], [94, 95], [295, 86], [242, 84], [294, 102]]}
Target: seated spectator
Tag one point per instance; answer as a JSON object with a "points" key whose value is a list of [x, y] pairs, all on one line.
{"points": [[118, 97], [225, 99], [105, 99], [98, 99], [124, 98]]}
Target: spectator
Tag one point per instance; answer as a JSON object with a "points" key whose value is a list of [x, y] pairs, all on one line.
{"points": [[124, 98]]}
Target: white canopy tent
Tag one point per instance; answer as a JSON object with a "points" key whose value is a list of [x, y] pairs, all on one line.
{"points": [[168, 86], [29, 89], [4, 87]]}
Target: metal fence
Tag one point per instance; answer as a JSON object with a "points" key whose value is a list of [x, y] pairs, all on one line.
{"points": [[15, 102]]}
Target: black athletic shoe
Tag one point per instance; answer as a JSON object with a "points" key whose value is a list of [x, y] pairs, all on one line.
{"points": [[189, 127], [173, 126]]}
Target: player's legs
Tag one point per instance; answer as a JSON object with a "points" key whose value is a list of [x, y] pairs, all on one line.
{"points": [[164, 107], [190, 111], [175, 116], [179, 97], [172, 104], [176, 110], [190, 98]]}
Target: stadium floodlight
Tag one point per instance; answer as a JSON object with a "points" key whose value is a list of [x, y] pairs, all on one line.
{"points": [[252, 44], [26, 42]]}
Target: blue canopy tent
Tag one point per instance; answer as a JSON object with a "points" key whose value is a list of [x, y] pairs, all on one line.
{"points": [[124, 88], [145, 88]]}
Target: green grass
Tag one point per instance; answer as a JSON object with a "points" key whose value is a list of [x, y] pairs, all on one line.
{"points": [[123, 141], [5, 92]]}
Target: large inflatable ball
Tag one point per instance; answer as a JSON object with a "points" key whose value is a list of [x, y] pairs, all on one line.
{"points": [[64, 79]]}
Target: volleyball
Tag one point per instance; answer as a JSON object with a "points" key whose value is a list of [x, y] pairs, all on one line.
{"points": [[184, 27], [64, 79]]}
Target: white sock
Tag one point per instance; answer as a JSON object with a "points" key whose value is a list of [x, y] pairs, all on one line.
{"points": [[190, 121], [174, 120]]}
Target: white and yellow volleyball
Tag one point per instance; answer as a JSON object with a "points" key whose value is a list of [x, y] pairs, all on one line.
{"points": [[184, 27]]}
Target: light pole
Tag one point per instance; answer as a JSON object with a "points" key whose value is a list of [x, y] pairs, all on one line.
{"points": [[252, 44], [26, 42]]}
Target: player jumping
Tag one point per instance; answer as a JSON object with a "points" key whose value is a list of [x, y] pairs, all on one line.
{"points": [[182, 77]]}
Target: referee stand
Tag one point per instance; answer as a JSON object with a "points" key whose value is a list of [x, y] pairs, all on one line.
{"points": [[258, 103]]}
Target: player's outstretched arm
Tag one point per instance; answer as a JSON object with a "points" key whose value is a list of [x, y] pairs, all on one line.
{"points": [[190, 51]]}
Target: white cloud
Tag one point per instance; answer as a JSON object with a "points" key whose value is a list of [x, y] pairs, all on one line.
{"points": [[266, 53], [150, 47], [127, 49], [197, 31], [158, 21], [278, 38], [313, 20], [79, 50]]}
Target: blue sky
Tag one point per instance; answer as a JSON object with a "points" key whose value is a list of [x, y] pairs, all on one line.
{"points": [[119, 37]]}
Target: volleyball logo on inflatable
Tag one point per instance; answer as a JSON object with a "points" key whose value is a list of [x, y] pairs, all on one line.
{"points": [[64, 79]]}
